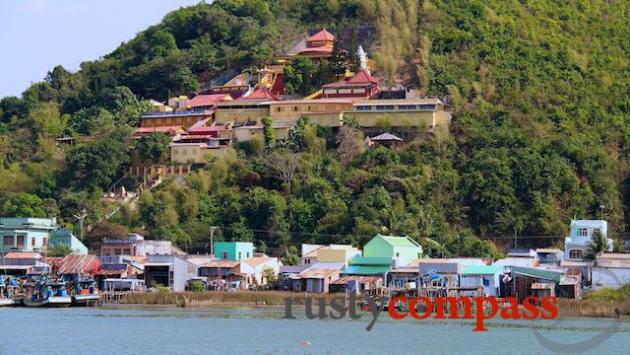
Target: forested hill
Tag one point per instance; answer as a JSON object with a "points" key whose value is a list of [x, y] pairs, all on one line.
{"points": [[540, 91]]}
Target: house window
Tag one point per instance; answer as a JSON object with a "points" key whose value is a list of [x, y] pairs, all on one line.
{"points": [[239, 255], [45, 242], [224, 255], [485, 281], [20, 241], [8, 240], [364, 108], [575, 254], [397, 255], [247, 254], [406, 107], [427, 107], [296, 108], [582, 232], [32, 242]]}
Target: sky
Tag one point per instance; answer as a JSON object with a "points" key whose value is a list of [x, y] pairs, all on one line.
{"points": [[37, 35]]}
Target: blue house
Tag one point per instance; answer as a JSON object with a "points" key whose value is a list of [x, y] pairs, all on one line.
{"points": [[35, 235], [233, 250]]}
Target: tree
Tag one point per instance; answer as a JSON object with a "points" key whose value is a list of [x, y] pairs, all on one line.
{"points": [[269, 276], [597, 246], [154, 148], [268, 133], [23, 205], [58, 250]]}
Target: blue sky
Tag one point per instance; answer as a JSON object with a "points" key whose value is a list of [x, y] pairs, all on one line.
{"points": [[36, 35]]}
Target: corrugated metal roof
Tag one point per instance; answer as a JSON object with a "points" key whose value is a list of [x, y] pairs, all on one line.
{"points": [[222, 263], [370, 260], [75, 264], [22, 255], [482, 270], [365, 270], [362, 279], [257, 260], [538, 273]]}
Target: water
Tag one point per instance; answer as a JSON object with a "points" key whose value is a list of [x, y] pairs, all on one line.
{"points": [[166, 330]]}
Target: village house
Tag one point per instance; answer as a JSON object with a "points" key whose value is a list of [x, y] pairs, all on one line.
{"points": [[23, 263], [486, 276], [235, 85], [233, 250], [118, 267], [286, 275], [317, 278], [368, 266], [611, 270], [333, 253], [171, 271], [356, 284], [581, 232], [402, 250], [523, 282], [36, 234], [136, 245], [72, 267], [227, 274], [435, 272]]}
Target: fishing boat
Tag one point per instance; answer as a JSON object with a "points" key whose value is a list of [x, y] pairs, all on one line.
{"points": [[7, 291], [47, 294], [84, 293]]}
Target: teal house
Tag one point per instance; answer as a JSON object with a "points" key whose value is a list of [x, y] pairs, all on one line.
{"points": [[368, 266], [35, 235], [233, 250], [402, 250]]}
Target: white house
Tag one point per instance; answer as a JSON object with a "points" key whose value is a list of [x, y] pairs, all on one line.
{"points": [[611, 270], [580, 236]]}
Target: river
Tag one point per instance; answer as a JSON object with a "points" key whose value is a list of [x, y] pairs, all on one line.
{"points": [[165, 330]]}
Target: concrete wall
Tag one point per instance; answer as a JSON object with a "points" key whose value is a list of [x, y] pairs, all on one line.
{"points": [[609, 277], [226, 114], [395, 118], [191, 153]]}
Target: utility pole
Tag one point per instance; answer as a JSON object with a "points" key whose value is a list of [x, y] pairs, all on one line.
{"points": [[514, 237], [212, 229], [81, 217]]}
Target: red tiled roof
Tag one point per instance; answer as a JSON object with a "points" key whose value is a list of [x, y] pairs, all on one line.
{"points": [[261, 94], [75, 264], [22, 255], [205, 100], [322, 35], [363, 77], [325, 49]]}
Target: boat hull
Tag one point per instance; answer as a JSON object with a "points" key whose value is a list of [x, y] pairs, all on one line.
{"points": [[6, 302], [49, 302], [86, 300]]}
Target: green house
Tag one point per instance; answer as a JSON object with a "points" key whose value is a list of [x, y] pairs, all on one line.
{"points": [[368, 266], [233, 250], [402, 250]]}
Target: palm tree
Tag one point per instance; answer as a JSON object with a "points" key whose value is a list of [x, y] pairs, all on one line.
{"points": [[597, 246]]}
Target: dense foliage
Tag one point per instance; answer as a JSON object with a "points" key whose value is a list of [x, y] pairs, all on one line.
{"points": [[540, 92]]}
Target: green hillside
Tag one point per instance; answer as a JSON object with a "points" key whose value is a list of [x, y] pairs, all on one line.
{"points": [[540, 92]]}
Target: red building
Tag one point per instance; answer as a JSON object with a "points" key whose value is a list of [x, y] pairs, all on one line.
{"points": [[360, 85], [319, 45]]}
